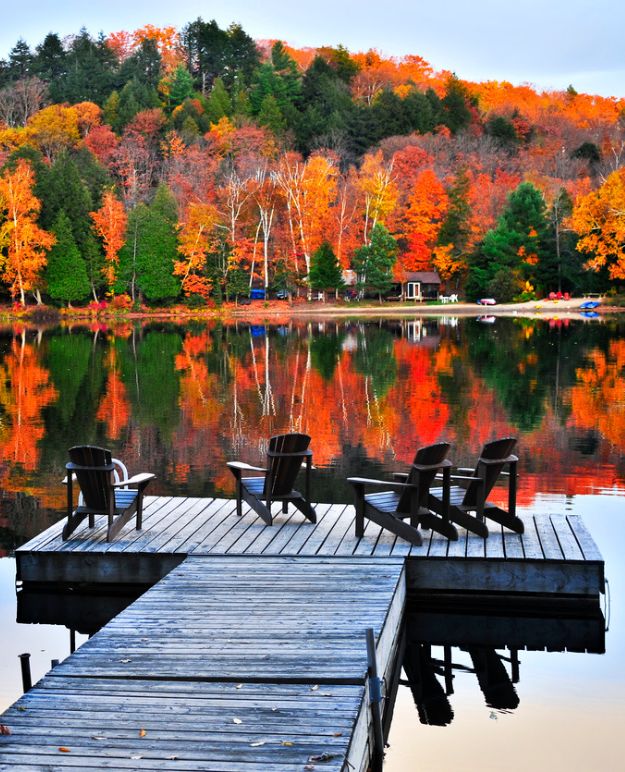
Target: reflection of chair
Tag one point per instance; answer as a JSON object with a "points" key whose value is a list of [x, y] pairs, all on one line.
{"points": [[493, 679], [428, 693], [286, 455], [471, 492], [104, 491], [407, 499]]}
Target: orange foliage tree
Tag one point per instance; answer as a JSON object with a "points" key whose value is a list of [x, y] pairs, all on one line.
{"points": [[599, 220], [309, 190], [23, 242], [422, 221], [110, 224]]}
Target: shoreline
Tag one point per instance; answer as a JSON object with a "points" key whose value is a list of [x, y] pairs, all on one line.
{"points": [[278, 309]]}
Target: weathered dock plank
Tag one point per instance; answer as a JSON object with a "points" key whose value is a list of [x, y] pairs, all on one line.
{"points": [[153, 725]]}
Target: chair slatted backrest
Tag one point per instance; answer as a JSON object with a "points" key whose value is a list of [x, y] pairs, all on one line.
{"points": [[430, 455], [285, 456], [93, 467], [497, 450]]}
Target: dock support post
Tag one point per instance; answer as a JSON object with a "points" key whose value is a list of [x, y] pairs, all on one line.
{"points": [[26, 677], [375, 697]]}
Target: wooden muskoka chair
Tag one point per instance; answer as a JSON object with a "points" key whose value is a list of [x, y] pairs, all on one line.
{"points": [[473, 486], [286, 455], [406, 499], [105, 489]]}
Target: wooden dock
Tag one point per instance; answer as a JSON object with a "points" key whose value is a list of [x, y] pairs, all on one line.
{"points": [[258, 664], [555, 555], [249, 651]]}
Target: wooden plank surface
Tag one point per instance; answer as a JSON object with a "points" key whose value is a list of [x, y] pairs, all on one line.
{"points": [[244, 618], [211, 527], [153, 725]]}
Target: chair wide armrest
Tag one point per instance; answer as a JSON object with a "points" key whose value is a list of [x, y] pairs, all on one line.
{"points": [[243, 466], [379, 483], [137, 479]]}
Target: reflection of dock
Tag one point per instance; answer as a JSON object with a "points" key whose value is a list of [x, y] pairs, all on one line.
{"points": [[251, 651]]}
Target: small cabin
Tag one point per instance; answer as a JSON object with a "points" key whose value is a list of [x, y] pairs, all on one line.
{"points": [[418, 286]]}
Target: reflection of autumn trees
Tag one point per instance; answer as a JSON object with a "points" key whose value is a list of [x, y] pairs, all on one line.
{"points": [[25, 391], [183, 401], [598, 399]]}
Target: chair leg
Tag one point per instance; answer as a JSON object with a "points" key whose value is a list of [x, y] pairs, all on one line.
{"points": [[285, 507], [307, 510], [239, 494]]}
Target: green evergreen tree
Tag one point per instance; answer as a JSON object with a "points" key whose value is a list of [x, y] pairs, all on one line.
{"points": [[50, 61], [90, 71], [62, 188], [143, 66], [218, 104], [20, 62], [456, 105], [66, 272], [513, 251], [325, 270], [374, 262], [242, 56], [270, 115], [147, 257], [180, 86]]}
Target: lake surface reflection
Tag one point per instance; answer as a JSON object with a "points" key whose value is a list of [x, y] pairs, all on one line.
{"points": [[181, 401]]}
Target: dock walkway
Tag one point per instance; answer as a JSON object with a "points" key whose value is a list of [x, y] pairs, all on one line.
{"points": [[249, 650], [226, 664]]}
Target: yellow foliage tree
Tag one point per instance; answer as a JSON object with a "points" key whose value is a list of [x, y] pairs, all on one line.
{"points": [[196, 239], [599, 220]]}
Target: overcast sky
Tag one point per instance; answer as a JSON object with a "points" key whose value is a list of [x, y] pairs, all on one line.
{"points": [[549, 43]]}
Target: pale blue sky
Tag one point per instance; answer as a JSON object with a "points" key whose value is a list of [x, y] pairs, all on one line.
{"points": [[549, 43]]}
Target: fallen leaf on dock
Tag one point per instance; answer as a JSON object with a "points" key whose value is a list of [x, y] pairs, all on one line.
{"points": [[236, 721], [4, 729], [288, 743], [239, 686], [22, 708], [324, 757], [337, 734], [142, 732], [257, 744], [136, 757], [97, 737], [125, 661], [172, 758], [314, 688], [63, 749]]}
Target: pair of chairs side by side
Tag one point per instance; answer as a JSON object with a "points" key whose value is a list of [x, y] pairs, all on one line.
{"points": [[413, 497], [106, 489]]}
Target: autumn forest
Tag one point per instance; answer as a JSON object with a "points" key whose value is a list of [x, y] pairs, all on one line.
{"points": [[162, 166]]}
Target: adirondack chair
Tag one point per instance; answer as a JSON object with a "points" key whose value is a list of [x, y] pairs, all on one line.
{"points": [[472, 487], [286, 455], [105, 489], [406, 499]]}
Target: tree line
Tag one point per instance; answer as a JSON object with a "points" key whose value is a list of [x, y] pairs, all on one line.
{"points": [[161, 164]]}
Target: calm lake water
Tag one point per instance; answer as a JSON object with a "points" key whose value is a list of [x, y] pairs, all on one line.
{"points": [[181, 401]]}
